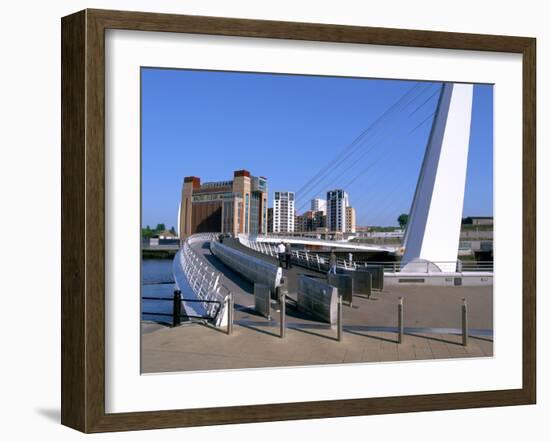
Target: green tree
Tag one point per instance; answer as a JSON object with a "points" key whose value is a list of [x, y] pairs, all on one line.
{"points": [[160, 228], [173, 230], [403, 219], [147, 232]]}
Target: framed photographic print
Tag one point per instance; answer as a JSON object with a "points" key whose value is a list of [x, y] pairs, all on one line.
{"points": [[269, 220]]}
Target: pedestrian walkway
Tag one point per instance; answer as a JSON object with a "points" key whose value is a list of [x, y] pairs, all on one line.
{"points": [[291, 275], [196, 347], [432, 317]]}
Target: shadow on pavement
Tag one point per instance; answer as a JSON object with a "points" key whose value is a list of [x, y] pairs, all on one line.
{"points": [[309, 332], [481, 339], [432, 338], [365, 335], [265, 332]]}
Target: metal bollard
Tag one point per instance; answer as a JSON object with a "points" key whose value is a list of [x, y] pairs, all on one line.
{"points": [[230, 306], [464, 322], [340, 321], [400, 322], [176, 312], [282, 321]]}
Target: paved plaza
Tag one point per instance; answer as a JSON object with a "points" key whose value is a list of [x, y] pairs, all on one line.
{"points": [[432, 326]]}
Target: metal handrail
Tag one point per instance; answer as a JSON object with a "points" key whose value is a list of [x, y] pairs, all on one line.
{"points": [[203, 280], [153, 298], [176, 311], [250, 267], [314, 260], [283, 237]]}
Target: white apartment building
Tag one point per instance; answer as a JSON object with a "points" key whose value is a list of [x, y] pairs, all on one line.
{"points": [[337, 201], [283, 212], [319, 205]]}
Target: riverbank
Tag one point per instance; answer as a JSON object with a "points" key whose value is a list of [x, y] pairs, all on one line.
{"points": [[158, 254]]}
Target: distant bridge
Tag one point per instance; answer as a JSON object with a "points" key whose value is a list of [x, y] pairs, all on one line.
{"points": [[330, 244]]}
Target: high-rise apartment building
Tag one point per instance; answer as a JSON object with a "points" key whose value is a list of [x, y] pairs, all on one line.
{"points": [[337, 201], [319, 205], [235, 206], [283, 212], [350, 220], [310, 221]]}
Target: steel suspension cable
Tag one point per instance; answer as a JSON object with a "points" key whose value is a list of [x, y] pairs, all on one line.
{"points": [[320, 178]]}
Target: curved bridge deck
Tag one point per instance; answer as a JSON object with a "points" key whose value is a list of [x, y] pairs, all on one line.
{"points": [[432, 316], [328, 244], [243, 289]]}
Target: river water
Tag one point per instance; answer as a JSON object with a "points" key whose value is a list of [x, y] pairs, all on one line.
{"points": [[157, 282]]}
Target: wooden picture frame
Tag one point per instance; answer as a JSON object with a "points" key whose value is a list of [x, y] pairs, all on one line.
{"points": [[83, 220]]}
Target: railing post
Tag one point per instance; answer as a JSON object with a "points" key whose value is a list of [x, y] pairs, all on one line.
{"points": [[216, 280], [230, 306], [176, 313], [464, 322], [400, 322], [282, 320], [340, 321]]}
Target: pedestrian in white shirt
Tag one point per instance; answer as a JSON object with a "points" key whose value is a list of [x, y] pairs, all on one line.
{"points": [[281, 253]]}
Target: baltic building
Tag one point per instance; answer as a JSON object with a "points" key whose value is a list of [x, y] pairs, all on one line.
{"points": [[235, 206], [270, 220]]}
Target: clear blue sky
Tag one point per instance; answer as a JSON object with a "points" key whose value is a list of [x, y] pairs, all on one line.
{"points": [[288, 128]]}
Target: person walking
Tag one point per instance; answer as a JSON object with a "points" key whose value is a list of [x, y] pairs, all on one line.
{"points": [[288, 256], [281, 253], [332, 262]]}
